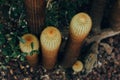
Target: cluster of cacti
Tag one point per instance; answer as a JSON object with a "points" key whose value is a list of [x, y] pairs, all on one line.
{"points": [[50, 40]]}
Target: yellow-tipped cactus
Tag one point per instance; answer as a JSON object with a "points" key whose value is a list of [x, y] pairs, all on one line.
{"points": [[50, 42], [26, 47], [80, 27], [78, 66]]}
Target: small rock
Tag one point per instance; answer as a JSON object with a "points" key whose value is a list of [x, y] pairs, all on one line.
{"points": [[21, 66], [116, 50], [4, 79], [111, 41], [113, 55], [27, 66], [26, 73], [118, 57], [31, 69], [99, 64], [3, 73], [116, 62], [26, 79], [11, 71], [0, 50], [109, 74], [15, 77], [45, 77]]}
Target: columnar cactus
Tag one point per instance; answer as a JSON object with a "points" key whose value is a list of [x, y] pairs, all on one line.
{"points": [[80, 27], [50, 42], [27, 48]]}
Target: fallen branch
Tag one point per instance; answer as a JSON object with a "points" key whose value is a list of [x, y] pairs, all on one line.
{"points": [[104, 34], [91, 58]]}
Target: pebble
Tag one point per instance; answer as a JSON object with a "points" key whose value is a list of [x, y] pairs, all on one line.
{"points": [[26, 79], [4, 79], [116, 62], [0, 50], [99, 64], [15, 77], [27, 66], [113, 55], [31, 69], [118, 57], [45, 77], [11, 71], [2, 73], [109, 74], [21, 66], [111, 40]]}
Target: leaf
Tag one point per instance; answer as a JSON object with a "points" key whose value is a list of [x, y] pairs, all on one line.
{"points": [[2, 39], [12, 42], [2, 2], [22, 23], [14, 54], [21, 39], [3, 67], [34, 52], [7, 60], [22, 58], [1, 27], [24, 54], [4, 52], [31, 53], [32, 45]]}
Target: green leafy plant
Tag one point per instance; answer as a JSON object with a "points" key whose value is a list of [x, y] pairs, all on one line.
{"points": [[2, 38], [60, 12], [33, 51], [10, 47], [12, 28]]}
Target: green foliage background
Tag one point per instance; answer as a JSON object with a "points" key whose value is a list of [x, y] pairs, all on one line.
{"points": [[60, 12]]}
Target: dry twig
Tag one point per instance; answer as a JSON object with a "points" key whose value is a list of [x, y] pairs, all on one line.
{"points": [[48, 3], [104, 34]]}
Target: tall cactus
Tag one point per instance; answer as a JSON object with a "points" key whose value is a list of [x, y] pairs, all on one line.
{"points": [[80, 27], [50, 39]]}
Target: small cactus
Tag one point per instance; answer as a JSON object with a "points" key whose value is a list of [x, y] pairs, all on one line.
{"points": [[26, 47]]}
